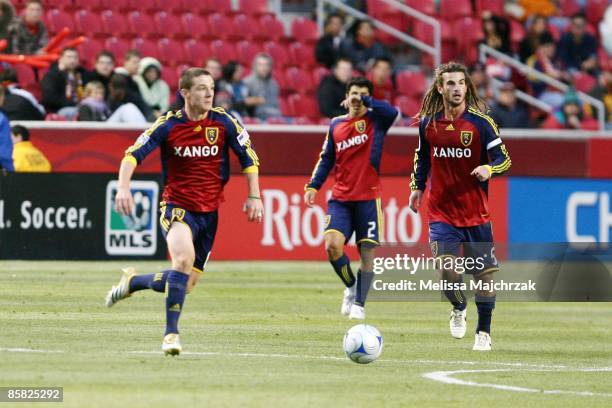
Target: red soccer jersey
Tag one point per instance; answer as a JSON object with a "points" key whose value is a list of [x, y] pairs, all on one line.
{"points": [[448, 152], [195, 156], [353, 147]]}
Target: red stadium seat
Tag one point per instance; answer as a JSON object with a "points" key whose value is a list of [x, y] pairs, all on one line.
{"points": [[149, 6], [453, 9], [223, 50], [469, 33], [246, 51], [319, 73], [195, 25], [379, 8], [88, 51], [147, 47], [299, 80], [494, 6], [171, 77], [584, 82], [171, 51], [181, 68], [279, 54], [254, 7], [246, 27], [57, 20], [206, 7], [305, 30], [91, 5], [595, 10], [271, 29], [411, 84], [570, 7], [304, 106], [65, 5], [195, 51], [424, 6], [118, 46], [218, 25], [169, 24], [285, 107], [25, 75], [114, 24], [396, 21], [425, 32], [88, 23], [517, 33], [302, 120], [408, 106], [141, 24], [302, 54]]}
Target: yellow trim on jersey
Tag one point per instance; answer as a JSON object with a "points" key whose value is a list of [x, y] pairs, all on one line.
{"points": [[222, 111], [485, 117], [503, 166], [251, 153], [193, 268], [128, 158], [251, 169], [413, 184], [316, 167], [306, 188], [345, 273], [137, 145], [334, 230], [381, 219]]}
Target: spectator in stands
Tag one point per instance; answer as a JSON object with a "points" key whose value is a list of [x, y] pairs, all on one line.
{"points": [[332, 89], [103, 69], [121, 103], [570, 116], [544, 61], [603, 92], [62, 85], [364, 49], [529, 44], [131, 63], [577, 48], [332, 45], [496, 31], [6, 144], [236, 88], [26, 157], [381, 76], [28, 34], [213, 65], [261, 84], [154, 90], [93, 107], [19, 104], [507, 111], [7, 14], [480, 79]]}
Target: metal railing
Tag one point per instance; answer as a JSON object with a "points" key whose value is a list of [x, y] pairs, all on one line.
{"points": [[527, 70], [434, 50]]}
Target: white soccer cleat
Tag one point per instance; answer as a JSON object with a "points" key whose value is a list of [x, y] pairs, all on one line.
{"points": [[482, 342], [458, 323], [357, 312], [172, 344], [347, 301], [122, 289]]}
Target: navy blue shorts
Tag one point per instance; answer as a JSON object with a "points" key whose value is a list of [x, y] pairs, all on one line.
{"points": [[203, 227], [365, 218], [476, 242]]}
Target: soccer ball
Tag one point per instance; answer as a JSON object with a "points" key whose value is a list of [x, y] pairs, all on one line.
{"points": [[363, 343]]}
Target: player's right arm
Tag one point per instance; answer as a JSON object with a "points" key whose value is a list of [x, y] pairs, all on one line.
{"points": [[326, 161], [422, 165], [134, 155]]}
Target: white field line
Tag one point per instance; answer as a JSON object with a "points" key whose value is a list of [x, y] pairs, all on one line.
{"points": [[446, 377], [27, 350]]}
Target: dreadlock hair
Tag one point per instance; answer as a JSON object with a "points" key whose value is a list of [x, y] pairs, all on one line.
{"points": [[433, 102]]}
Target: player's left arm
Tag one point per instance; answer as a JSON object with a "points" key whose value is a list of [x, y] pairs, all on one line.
{"points": [[387, 113], [240, 142], [499, 159]]}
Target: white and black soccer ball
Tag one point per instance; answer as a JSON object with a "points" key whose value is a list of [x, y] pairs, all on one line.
{"points": [[363, 343]]}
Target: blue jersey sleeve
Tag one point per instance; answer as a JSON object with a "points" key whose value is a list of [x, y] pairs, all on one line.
{"points": [[326, 161], [422, 160], [240, 142], [149, 140], [383, 113], [492, 143]]}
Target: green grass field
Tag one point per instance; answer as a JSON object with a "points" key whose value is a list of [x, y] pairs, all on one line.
{"points": [[270, 334]]}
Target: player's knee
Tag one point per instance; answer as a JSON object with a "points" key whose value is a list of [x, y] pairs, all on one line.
{"points": [[334, 250], [182, 261], [450, 275]]}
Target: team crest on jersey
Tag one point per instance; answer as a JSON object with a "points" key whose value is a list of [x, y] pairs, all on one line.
{"points": [[466, 137], [327, 220], [212, 134], [360, 125], [434, 248]]}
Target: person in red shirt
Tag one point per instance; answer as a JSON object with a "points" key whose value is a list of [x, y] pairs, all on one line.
{"points": [[353, 148], [195, 144], [381, 76], [456, 140]]}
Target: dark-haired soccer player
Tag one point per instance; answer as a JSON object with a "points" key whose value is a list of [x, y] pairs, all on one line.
{"points": [[459, 150], [353, 148], [195, 144]]}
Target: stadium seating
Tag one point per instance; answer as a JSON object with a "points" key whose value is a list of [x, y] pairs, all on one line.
{"points": [[304, 30], [169, 25], [278, 52], [254, 7], [88, 24], [118, 46], [196, 26], [270, 29], [453, 9], [224, 51], [302, 55], [88, 51], [58, 19], [246, 51], [195, 50], [114, 24], [146, 47]]}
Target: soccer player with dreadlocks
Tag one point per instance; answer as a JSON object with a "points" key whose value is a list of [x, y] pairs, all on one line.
{"points": [[459, 151]]}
